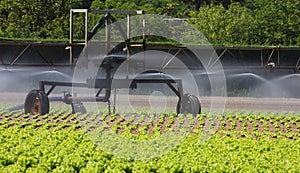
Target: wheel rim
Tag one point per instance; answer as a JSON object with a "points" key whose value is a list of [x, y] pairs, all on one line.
{"points": [[189, 105], [35, 106], [186, 104], [36, 102], [79, 108], [186, 107]]}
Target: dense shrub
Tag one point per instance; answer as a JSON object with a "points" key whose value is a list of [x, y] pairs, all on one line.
{"points": [[256, 22], [224, 22]]}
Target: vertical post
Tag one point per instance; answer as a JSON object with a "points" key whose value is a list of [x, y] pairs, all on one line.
{"points": [[1, 60], [128, 50], [115, 100], [278, 56], [71, 26], [261, 58], [128, 26], [180, 90], [144, 28], [86, 28], [86, 37], [42, 86], [71, 55], [71, 38], [144, 39], [107, 32]]}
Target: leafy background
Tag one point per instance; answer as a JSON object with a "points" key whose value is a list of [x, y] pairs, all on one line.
{"points": [[223, 22]]}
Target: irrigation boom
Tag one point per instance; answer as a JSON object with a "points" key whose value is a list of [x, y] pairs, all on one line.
{"points": [[268, 60]]}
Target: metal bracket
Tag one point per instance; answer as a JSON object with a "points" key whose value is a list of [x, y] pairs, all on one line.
{"points": [[211, 64], [270, 63], [13, 61], [270, 57], [109, 20], [1, 60], [171, 59], [298, 64]]}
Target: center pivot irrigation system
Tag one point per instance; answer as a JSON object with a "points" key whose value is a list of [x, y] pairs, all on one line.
{"points": [[37, 101]]}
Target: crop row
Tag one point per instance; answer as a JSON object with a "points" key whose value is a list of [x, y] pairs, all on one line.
{"points": [[31, 149], [157, 124]]}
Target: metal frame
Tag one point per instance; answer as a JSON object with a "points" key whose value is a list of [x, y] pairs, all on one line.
{"points": [[107, 83], [268, 58], [107, 14], [22, 50], [41, 50], [271, 61]]}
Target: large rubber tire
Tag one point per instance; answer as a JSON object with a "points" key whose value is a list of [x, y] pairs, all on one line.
{"points": [[189, 104], [78, 108], [36, 102]]}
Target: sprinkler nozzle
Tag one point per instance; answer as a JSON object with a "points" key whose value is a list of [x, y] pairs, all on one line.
{"points": [[67, 47], [271, 65]]}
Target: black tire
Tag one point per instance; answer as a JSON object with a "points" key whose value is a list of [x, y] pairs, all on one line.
{"points": [[78, 108], [197, 105], [36, 102], [189, 104]]}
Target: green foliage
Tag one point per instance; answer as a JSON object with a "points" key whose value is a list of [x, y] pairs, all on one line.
{"points": [[163, 7], [35, 18], [255, 22], [277, 22], [223, 22], [28, 145], [31, 149]]}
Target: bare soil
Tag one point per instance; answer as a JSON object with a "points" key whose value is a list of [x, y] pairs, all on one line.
{"points": [[249, 126], [294, 128], [229, 103], [271, 127]]}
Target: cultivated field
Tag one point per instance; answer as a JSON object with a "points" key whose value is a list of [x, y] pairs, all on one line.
{"points": [[235, 141]]}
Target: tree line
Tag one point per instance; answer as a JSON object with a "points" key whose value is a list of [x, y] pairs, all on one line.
{"points": [[223, 22]]}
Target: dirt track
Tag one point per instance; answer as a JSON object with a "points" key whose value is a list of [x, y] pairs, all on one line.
{"points": [[247, 103], [239, 103]]}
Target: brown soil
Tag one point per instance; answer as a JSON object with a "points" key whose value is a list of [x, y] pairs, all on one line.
{"points": [[185, 124], [196, 124], [260, 126], [239, 125], [217, 125], [206, 125], [282, 127], [293, 127], [137, 124], [111, 123], [239, 103], [228, 124], [249, 127], [278, 104], [164, 124], [151, 125], [175, 124], [271, 127]]}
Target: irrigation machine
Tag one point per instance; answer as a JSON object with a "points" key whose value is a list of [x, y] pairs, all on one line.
{"points": [[37, 101], [275, 68]]}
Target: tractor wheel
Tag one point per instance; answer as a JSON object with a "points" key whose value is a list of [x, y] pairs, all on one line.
{"points": [[189, 104], [36, 102], [78, 108]]}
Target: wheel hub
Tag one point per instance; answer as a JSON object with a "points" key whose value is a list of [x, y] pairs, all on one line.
{"points": [[36, 106]]}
